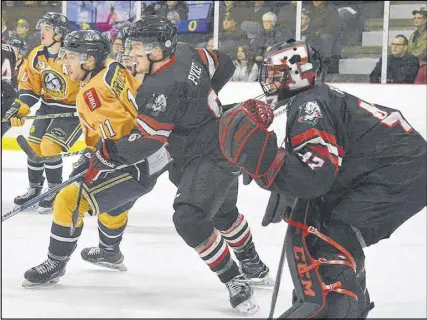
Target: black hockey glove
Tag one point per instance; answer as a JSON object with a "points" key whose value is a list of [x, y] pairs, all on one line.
{"points": [[100, 163], [244, 137], [83, 163]]}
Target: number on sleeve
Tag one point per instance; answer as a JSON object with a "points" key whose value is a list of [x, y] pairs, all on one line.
{"points": [[109, 127], [389, 120]]}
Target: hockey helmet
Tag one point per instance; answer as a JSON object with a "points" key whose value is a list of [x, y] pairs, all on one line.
{"points": [[58, 21], [19, 44], [154, 31], [87, 43], [288, 68]]}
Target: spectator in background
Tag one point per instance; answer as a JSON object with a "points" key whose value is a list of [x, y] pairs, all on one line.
{"points": [[4, 30], [325, 23], [246, 69], [230, 7], [311, 36], [402, 67], [230, 34], [418, 40], [116, 48], [179, 6], [84, 20], [210, 44], [173, 16], [257, 9], [269, 37], [22, 28], [287, 16]]}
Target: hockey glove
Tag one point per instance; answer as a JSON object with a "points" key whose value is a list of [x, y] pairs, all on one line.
{"points": [[100, 163], [244, 137], [83, 163], [17, 110]]}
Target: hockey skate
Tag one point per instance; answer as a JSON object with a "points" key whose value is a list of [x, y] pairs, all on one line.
{"points": [[241, 295], [112, 259], [46, 273], [34, 190], [46, 205], [255, 270]]}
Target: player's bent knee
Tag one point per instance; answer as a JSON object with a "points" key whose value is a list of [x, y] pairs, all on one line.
{"points": [[36, 148], [64, 205], [49, 148], [113, 222], [192, 224]]}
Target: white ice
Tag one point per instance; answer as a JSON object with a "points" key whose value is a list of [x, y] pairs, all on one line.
{"points": [[165, 278]]}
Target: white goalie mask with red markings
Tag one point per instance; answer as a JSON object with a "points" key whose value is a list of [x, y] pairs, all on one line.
{"points": [[288, 68]]}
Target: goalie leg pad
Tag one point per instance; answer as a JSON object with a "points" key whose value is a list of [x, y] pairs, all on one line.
{"points": [[325, 280]]}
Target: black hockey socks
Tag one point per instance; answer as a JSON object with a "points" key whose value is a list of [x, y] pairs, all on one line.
{"points": [[54, 172], [35, 172], [62, 244], [110, 238]]}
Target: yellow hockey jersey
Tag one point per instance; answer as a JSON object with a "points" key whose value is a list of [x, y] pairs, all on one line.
{"points": [[44, 77], [106, 104]]}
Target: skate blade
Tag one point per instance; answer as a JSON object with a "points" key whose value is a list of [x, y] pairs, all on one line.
{"points": [[118, 267], [33, 207], [265, 282], [29, 284], [45, 210], [248, 307]]}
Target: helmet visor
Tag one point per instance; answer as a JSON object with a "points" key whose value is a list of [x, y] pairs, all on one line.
{"points": [[66, 56]]}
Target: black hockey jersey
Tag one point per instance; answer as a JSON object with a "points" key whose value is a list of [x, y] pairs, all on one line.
{"points": [[335, 141], [8, 61], [179, 107]]}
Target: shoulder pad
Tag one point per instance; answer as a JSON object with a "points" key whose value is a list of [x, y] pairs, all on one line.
{"points": [[115, 77]]}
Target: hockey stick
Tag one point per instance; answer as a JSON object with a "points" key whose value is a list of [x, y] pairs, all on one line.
{"points": [[280, 269], [46, 116], [278, 280], [25, 146], [37, 199], [75, 216]]}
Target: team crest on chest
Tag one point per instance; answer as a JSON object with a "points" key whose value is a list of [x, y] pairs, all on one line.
{"points": [[54, 84], [310, 113], [157, 103]]}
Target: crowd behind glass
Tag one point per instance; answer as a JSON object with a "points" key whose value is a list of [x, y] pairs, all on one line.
{"points": [[247, 30]]}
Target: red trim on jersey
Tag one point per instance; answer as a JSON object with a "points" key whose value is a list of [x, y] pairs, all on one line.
{"points": [[312, 133], [214, 57], [154, 124], [202, 55], [167, 64], [162, 139]]}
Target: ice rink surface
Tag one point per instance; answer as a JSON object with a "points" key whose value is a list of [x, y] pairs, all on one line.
{"points": [[165, 277]]}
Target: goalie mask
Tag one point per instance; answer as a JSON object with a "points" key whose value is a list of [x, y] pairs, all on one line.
{"points": [[288, 68]]}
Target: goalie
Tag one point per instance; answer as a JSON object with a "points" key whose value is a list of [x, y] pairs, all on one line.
{"points": [[360, 168]]}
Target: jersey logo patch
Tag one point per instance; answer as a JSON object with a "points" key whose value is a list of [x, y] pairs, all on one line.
{"points": [[310, 113], [157, 104], [54, 84], [91, 99]]}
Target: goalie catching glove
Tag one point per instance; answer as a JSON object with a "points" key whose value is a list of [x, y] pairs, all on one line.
{"points": [[245, 140]]}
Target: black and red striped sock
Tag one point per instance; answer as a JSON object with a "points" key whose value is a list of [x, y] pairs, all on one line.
{"points": [[215, 253], [238, 236]]}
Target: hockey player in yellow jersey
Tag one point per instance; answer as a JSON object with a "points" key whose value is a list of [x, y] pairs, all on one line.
{"points": [[107, 112], [45, 79]]}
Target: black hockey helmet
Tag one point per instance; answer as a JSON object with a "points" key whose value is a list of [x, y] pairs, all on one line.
{"points": [[293, 64], [87, 43], [19, 44], [155, 30], [58, 21]]}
